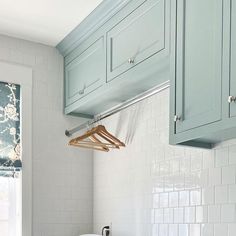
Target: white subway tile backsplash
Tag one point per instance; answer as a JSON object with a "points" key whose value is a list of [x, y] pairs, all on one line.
{"points": [[201, 214], [196, 161], [164, 201], [208, 195], [175, 165], [156, 201], [189, 215], [221, 156], [163, 230], [164, 168], [215, 176], [183, 229], [221, 194], [232, 193], [192, 192], [214, 214], [159, 216], [220, 229], [173, 199], [173, 230], [207, 230], [184, 198], [228, 214], [232, 229], [195, 230], [152, 216], [169, 184], [208, 159], [178, 180], [232, 155], [204, 178], [178, 215], [155, 230], [185, 164], [195, 197], [169, 215], [228, 175]]}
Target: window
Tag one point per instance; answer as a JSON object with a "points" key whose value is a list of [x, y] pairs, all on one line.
{"points": [[10, 206], [15, 150], [10, 160]]}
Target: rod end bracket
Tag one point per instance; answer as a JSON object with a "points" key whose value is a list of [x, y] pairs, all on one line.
{"points": [[67, 133]]}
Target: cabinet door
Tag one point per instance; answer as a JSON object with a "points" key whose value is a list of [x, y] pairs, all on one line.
{"points": [[233, 60], [136, 37], [198, 63], [86, 72]]}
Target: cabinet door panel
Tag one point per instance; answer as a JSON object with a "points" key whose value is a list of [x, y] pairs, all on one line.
{"points": [[85, 73], [199, 63], [137, 37], [233, 58]]}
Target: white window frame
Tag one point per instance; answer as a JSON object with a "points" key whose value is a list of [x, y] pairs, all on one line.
{"points": [[22, 75]]}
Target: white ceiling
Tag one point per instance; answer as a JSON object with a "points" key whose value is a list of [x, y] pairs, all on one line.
{"points": [[43, 21]]}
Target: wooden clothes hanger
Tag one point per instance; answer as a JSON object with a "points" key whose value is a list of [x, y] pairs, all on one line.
{"points": [[97, 138]]}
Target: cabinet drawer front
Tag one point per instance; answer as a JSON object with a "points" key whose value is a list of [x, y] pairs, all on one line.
{"points": [[233, 59], [137, 37], [86, 72], [198, 63]]}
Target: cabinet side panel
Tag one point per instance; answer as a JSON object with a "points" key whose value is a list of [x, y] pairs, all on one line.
{"points": [[199, 70]]}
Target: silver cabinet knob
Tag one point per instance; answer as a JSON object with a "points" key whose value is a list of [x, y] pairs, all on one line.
{"points": [[81, 92], [131, 61], [177, 118], [231, 99]]}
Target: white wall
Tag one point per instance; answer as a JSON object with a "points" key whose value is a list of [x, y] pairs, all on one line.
{"points": [[62, 176], [147, 189], [153, 189]]}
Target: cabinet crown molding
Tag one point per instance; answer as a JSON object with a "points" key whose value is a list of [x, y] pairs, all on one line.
{"points": [[105, 11]]}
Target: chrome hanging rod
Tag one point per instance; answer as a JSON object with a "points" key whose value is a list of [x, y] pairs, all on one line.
{"points": [[120, 107]]}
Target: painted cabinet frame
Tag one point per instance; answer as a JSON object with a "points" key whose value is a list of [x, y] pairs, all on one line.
{"points": [[85, 70], [151, 69], [210, 133], [133, 39], [212, 73]]}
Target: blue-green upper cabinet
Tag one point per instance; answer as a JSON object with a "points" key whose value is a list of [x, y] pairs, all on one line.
{"points": [[85, 70], [137, 37], [232, 94], [198, 63]]}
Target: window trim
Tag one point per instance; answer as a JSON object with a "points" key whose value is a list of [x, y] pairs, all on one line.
{"points": [[22, 75]]}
